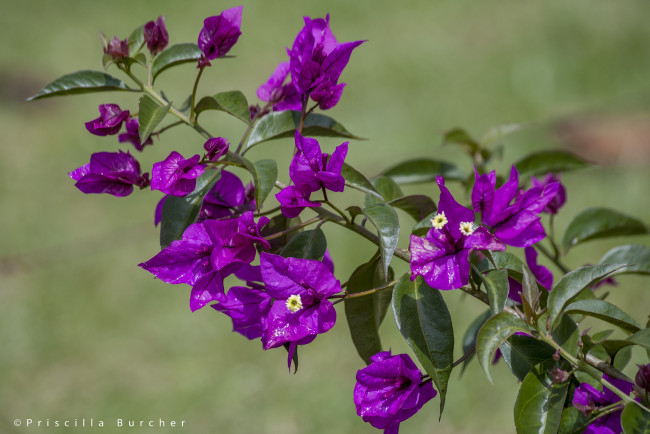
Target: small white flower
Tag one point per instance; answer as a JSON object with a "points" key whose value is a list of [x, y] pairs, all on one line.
{"points": [[467, 228], [293, 303], [439, 221]]}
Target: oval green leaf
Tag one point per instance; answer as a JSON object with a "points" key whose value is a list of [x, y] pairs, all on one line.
{"points": [[232, 102], [593, 223], [423, 319], [264, 173], [365, 314], [180, 212], [422, 227], [521, 353], [136, 40], [539, 404], [541, 163], [175, 55], [306, 245], [459, 136], [387, 188], [285, 123], [496, 284], [150, 114], [636, 255], [416, 205], [634, 420], [493, 333], [355, 179], [384, 218], [604, 311], [572, 283], [424, 170], [81, 82]]}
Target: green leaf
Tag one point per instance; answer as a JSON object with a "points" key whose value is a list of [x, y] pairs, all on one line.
{"points": [[232, 102], [416, 205], [469, 340], [541, 163], [566, 334], [605, 311], [180, 212], [423, 170], [459, 136], [81, 82], [593, 223], [634, 420], [356, 180], [539, 404], [641, 338], [366, 313], [384, 218], [573, 421], [306, 245], [264, 173], [636, 255], [279, 223], [423, 319], [496, 284], [572, 283], [174, 55], [493, 333], [150, 114], [285, 123], [387, 188], [136, 39], [522, 353]]}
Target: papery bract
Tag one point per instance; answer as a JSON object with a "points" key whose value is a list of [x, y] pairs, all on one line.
{"points": [[312, 170], [517, 224], [216, 147], [156, 36], [587, 398], [293, 200], [132, 135], [559, 199], [281, 96], [220, 33], [176, 175], [390, 390], [109, 122], [110, 172], [442, 257], [248, 308], [301, 309]]}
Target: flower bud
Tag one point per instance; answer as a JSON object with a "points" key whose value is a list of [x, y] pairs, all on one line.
{"points": [[643, 377], [216, 147], [117, 49], [156, 36]]}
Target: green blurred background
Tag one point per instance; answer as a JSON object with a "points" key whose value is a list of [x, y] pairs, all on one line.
{"points": [[86, 333]]}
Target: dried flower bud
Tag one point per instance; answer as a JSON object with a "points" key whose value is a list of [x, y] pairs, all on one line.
{"points": [[643, 377], [117, 49]]}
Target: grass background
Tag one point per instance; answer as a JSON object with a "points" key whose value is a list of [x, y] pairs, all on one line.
{"points": [[86, 333]]}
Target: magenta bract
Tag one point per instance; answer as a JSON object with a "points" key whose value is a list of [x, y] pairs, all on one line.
{"points": [[176, 175], [442, 257], [110, 172], [117, 49], [282, 96], [156, 36], [312, 170], [390, 390], [132, 135], [216, 147], [247, 307], [587, 398], [109, 121], [554, 205], [220, 33], [293, 200]]}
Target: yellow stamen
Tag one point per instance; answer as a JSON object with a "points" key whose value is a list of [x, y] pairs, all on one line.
{"points": [[439, 221], [467, 228], [293, 303]]}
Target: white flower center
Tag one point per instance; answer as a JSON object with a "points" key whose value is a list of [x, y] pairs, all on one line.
{"points": [[467, 228], [293, 303], [439, 221]]}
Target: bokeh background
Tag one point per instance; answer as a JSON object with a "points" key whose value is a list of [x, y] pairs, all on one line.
{"points": [[86, 333]]}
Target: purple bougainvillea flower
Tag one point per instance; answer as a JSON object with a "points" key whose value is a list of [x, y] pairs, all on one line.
{"points": [[220, 33], [312, 170], [390, 390], [559, 199], [442, 257], [301, 309], [176, 175], [109, 121], [248, 308], [215, 148], [117, 49], [226, 198], [110, 172], [293, 200], [274, 91], [156, 36], [157, 217], [517, 224], [587, 398], [317, 57], [327, 94], [132, 135], [541, 273]]}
